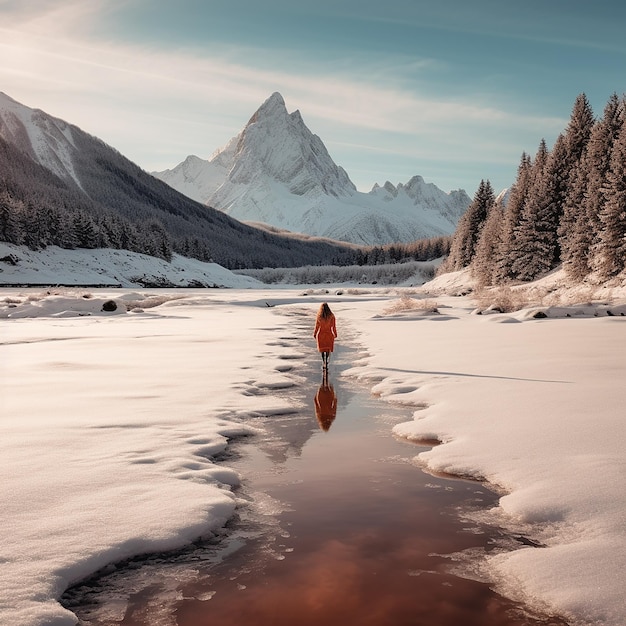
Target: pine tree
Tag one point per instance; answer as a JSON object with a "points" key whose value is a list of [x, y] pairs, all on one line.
{"points": [[54, 219], [578, 131], [469, 228], [573, 242], [612, 239], [488, 247], [69, 238], [536, 233], [158, 241], [9, 219], [574, 232], [599, 151], [129, 238], [34, 227], [85, 230], [108, 233], [507, 250]]}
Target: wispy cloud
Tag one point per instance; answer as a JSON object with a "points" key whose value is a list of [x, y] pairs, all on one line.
{"points": [[157, 106]]}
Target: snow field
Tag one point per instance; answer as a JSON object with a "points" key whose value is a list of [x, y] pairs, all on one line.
{"points": [[109, 422], [536, 409], [104, 266]]}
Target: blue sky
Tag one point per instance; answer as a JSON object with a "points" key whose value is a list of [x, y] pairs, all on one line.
{"points": [[452, 90]]}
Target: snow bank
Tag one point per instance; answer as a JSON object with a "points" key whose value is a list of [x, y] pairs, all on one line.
{"points": [[535, 407], [109, 425], [109, 268]]}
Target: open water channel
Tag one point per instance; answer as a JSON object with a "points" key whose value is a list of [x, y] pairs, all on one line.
{"points": [[337, 526]]}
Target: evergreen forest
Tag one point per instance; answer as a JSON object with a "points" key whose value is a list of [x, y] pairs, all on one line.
{"points": [[567, 208]]}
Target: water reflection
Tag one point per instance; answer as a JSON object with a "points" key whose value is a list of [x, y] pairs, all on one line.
{"points": [[325, 404], [362, 536]]}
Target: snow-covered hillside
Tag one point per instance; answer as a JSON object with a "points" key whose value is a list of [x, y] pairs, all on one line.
{"points": [[277, 172], [112, 268], [46, 139]]}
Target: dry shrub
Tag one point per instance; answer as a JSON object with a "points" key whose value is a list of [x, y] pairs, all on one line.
{"points": [[503, 299], [509, 299], [406, 303], [572, 297]]}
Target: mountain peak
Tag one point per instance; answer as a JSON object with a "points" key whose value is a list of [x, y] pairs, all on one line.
{"points": [[278, 172], [272, 107], [276, 98], [277, 146]]}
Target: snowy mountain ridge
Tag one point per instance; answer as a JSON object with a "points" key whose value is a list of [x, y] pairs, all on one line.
{"points": [[276, 171], [46, 139], [67, 178]]}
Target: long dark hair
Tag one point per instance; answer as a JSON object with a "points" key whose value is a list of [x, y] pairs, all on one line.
{"points": [[324, 311]]}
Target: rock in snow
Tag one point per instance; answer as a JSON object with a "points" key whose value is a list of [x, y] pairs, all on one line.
{"points": [[279, 173]]}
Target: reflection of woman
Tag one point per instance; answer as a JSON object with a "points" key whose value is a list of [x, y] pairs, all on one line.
{"points": [[325, 332], [325, 405]]}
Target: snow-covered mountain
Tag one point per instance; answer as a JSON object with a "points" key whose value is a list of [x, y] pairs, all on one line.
{"points": [[47, 140], [277, 172], [70, 178]]}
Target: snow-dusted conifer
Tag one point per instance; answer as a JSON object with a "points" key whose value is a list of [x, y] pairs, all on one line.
{"points": [[536, 234], [157, 241], [488, 246], [578, 130], [34, 228], [574, 232], [506, 252], [599, 151], [611, 256], [10, 230], [469, 228], [573, 241], [85, 230], [111, 230]]}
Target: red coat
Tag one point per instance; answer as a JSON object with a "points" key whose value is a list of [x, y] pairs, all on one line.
{"points": [[325, 333]]}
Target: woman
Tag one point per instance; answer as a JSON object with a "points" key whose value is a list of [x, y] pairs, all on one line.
{"points": [[325, 332]]}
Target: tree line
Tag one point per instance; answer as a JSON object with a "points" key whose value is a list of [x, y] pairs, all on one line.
{"points": [[37, 209], [419, 250], [566, 208]]}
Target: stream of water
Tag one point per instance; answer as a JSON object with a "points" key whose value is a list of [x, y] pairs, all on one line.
{"points": [[337, 525]]}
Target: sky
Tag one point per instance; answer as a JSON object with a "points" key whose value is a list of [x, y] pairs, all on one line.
{"points": [[450, 90]]}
